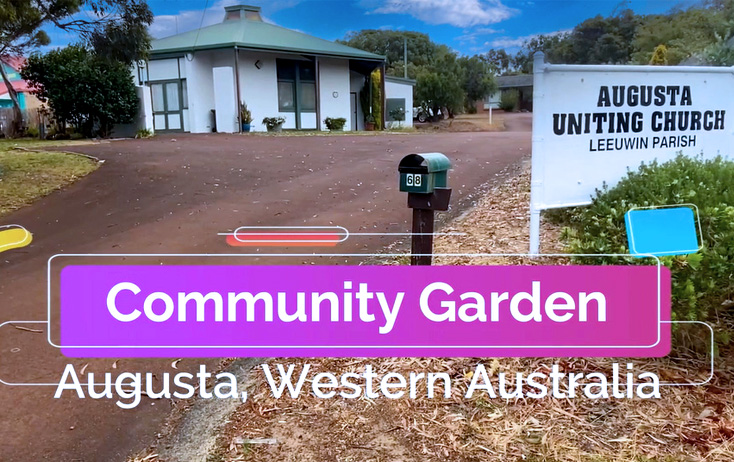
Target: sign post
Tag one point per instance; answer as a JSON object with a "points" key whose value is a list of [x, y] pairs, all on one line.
{"points": [[593, 124]]}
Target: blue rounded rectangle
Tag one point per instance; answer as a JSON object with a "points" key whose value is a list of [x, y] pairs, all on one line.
{"points": [[662, 231]]}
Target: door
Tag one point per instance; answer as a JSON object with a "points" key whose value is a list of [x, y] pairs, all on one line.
{"points": [[353, 102], [167, 106]]}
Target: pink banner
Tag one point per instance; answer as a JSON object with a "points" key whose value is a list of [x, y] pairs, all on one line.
{"points": [[376, 311]]}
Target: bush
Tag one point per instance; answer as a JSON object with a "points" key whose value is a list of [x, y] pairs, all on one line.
{"points": [[32, 132], [701, 281], [509, 100], [335, 124]]}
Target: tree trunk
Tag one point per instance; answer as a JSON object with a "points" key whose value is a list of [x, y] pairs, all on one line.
{"points": [[17, 126]]}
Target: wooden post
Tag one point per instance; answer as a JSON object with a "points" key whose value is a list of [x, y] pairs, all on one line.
{"points": [[422, 242]]}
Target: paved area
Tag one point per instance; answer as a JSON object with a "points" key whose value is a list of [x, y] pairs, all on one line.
{"points": [[173, 195]]}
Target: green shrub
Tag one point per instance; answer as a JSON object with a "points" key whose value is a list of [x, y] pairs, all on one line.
{"points": [[32, 132], [701, 281], [335, 124], [509, 100], [144, 133]]}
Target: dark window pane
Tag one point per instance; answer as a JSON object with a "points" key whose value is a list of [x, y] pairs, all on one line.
{"points": [[286, 70], [185, 94], [308, 97], [307, 71], [286, 97]]}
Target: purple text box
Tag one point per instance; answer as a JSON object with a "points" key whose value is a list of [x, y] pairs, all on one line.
{"points": [[635, 299]]}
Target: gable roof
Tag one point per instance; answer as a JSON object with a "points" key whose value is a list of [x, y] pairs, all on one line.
{"points": [[514, 81], [255, 35]]}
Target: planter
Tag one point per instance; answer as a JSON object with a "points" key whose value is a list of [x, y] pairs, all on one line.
{"points": [[276, 129], [369, 126], [246, 128]]}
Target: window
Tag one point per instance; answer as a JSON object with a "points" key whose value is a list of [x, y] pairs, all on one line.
{"points": [[286, 96], [395, 104], [296, 86]]}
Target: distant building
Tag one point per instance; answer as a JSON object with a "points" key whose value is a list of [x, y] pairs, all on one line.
{"points": [[26, 99], [197, 79], [523, 83]]}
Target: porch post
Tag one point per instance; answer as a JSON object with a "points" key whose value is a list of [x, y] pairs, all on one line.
{"points": [[318, 94], [383, 96], [237, 86]]}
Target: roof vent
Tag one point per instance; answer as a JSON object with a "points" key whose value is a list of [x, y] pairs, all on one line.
{"points": [[239, 12]]}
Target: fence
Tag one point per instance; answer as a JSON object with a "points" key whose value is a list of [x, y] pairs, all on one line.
{"points": [[32, 118]]}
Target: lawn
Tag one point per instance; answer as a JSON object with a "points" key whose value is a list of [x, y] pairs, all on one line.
{"points": [[28, 175]]}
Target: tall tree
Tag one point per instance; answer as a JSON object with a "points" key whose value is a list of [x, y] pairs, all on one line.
{"points": [[115, 28], [391, 45], [478, 81], [82, 88]]}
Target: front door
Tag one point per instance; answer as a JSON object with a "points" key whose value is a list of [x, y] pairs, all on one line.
{"points": [[167, 106]]}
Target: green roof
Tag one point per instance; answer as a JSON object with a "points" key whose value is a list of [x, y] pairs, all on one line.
{"points": [[255, 35]]}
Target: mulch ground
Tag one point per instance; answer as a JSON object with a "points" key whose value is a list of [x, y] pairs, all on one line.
{"points": [[689, 423]]}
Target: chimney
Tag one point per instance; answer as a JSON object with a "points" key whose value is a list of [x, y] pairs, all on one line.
{"points": [[240, 12]]}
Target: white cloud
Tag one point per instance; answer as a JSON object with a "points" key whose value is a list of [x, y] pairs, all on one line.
{"points": [[471, 36], [459, 13], [184, 21]]}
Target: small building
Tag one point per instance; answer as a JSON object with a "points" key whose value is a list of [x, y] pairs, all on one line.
{"points": [[399, 94], [522, 83], [198, 79], [26, 99]]}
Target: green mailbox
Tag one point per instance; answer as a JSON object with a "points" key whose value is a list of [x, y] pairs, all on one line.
{"points": [[423, 173]]}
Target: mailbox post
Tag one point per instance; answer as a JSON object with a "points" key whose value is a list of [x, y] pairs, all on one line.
{"points": [[425, 178]]}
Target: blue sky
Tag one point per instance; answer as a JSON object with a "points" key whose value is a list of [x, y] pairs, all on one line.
{"points": [[468, 26]]}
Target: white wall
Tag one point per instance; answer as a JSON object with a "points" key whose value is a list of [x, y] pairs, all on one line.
{"points": [[335, 87], [403, 91], [259, 89], [225, 99]]}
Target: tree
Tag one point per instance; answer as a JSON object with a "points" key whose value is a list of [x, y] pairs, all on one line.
{"points": [[478, 81], [391, 44], [114, 28], [91, 92], [439, 85], [499, 61]]}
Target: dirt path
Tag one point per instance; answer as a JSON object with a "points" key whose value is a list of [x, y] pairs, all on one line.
{"points": [[174, 195]]}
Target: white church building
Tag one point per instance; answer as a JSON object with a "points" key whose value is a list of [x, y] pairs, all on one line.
{"points": [[194, 81]]}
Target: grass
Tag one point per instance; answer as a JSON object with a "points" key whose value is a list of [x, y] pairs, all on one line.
{"points": [[26, 176]]}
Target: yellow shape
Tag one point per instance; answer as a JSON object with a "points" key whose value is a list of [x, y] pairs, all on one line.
{"points": [[14, 237]]}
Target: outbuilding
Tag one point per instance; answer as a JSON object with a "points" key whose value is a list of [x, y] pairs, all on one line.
{"points": [[198, 79]]}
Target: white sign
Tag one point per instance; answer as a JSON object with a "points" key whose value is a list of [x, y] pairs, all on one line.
{"points": [[413, 179], [591, 124]]}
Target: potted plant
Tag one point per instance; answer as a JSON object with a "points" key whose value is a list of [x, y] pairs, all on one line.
{"points": [[245, 117], [369, 123], [335, 124], [274, 124]]}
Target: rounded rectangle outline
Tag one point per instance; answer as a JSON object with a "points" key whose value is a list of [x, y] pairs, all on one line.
{"points": [[349, 347], [710, 377]]}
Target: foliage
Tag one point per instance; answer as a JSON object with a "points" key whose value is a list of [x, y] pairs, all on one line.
{"points": [[376, 82], [335, 124], [683, 32], [478, 81], [398, 114], [509, 100], [115, 29], [32, 132], [273, 122], [659, 56], [701, 281], [82, 89], [443, 79], [391, 44], [245, 114], [144, 133]]}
